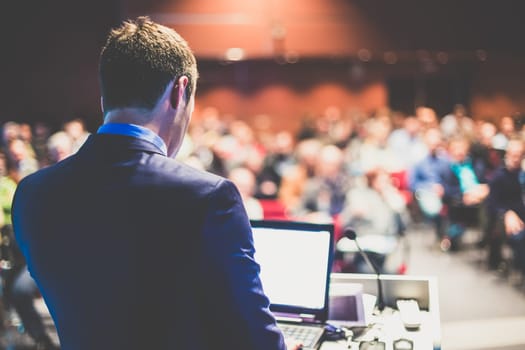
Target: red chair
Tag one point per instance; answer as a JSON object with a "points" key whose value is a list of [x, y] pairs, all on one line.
{"points": [[400, 181], [273, 209]]}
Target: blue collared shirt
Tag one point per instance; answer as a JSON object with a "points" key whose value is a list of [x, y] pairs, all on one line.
{"points": [[136, 131], [428, 172]]}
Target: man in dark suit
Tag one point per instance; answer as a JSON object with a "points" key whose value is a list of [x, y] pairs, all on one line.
{"points": [[506, 208], [130, 248]]}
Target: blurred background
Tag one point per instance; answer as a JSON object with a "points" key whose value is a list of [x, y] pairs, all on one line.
{"points": [[319, 111]]}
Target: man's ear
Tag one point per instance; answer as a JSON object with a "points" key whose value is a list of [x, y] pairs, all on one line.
{"points": [[178, 90]]}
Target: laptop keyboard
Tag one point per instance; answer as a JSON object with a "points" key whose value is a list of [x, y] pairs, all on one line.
{"points": [[307, 336]]}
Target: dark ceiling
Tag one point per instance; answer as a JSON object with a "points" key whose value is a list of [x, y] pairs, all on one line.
{"points": [[50, 48]]}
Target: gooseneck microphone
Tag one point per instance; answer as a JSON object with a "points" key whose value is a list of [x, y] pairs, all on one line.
{"points": [[380, 302]]}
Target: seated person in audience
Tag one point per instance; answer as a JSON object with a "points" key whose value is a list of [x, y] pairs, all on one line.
{"points": [[407, 143], [40, 138], [60, 146], [76, 130], [295, 178], [267, 180], [375, 208], [239, 144], [273, 165], [324, 194], [507, 128], [457, 122], [10, 131], [280, 156], [22, 162], [244, 179], [506, 207], [25, 133], [485, 159], [464, 194], [427, 118], [426, 180], [374, 151]]}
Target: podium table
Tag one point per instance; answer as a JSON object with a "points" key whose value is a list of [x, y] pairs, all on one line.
{"points": [[387, 326]]}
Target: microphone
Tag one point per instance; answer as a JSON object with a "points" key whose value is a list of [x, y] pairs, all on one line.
{"points": [[380, 302]]}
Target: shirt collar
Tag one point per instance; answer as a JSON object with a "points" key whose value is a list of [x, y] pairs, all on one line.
{"points": [[136, 131]]}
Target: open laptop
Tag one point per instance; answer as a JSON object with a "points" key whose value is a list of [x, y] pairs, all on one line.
{"points": [[296, 260]]}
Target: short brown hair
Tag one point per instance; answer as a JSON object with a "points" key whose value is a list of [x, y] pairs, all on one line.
{"points": [[138, 61]]}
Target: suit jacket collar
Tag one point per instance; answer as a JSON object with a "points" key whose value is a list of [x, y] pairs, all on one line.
{"points": [[133, 130], [110, 143]]}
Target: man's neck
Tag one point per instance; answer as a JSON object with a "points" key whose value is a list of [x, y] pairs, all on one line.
{"points": [[136, 116]]}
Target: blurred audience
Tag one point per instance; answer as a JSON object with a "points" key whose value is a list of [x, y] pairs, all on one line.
{"points": [[342, 166]]}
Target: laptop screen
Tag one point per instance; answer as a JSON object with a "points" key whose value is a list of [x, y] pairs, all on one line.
{"points": [[295, 260]]}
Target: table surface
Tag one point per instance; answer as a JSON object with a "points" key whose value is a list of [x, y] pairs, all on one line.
{"points": [[388, 327]]}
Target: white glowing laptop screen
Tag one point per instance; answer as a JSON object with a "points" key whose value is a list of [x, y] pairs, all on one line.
{"points": [[295, 260]]}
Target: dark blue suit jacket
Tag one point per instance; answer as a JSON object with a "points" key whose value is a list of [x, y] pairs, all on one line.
{"points": [[133, 250], [506, 193]]}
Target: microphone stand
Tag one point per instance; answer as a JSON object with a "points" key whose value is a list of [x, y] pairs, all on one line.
{"points": [[380, 302]]}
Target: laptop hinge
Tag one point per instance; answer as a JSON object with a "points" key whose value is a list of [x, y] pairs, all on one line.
{"points": [[307, 318], [295, 318]]}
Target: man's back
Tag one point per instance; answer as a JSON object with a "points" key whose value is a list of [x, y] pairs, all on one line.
{"points": [[133, 250]]}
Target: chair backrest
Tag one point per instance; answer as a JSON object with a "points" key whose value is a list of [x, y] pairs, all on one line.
{"points": [[400, 181], [273, 209]]}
